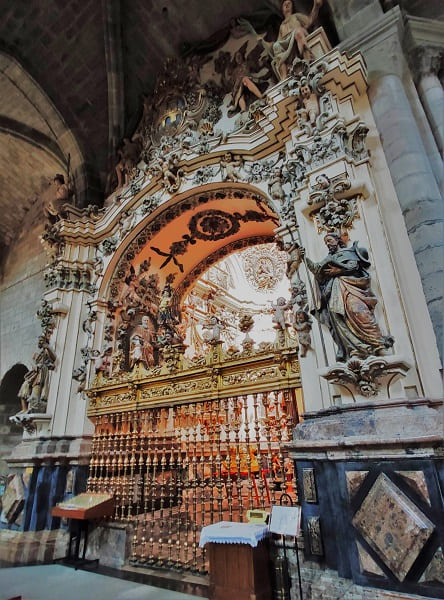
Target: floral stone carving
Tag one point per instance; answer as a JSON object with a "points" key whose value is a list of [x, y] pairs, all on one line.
{"points": [[365, 376], [334, 212]]}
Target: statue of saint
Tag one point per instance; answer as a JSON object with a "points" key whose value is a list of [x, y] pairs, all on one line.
{"points": [[164, 316], [33, 392], [293, 29], [141, 348], [345, 300]]}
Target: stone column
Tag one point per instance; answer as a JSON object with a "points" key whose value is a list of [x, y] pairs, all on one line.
{"points": [[424, 46], [429, 60], [416, 187]]}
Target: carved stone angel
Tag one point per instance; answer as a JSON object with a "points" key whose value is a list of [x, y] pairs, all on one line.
{"points": [[275, 186], [170, 172], [231, 166], [55, 209]]}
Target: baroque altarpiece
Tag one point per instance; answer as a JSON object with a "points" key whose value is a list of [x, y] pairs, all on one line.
{"points": [[194, 415]]}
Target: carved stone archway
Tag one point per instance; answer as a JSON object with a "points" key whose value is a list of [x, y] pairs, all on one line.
{"points": [[195, 440]]}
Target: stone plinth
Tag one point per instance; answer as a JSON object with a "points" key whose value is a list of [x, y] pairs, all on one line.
{"points": [[32, 547], [368, 482], [110, 543], [382, 429]]}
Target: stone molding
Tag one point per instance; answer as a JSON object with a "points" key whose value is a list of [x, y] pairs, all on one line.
{"points": [[404, 428], [51, 451], [423, 32]]}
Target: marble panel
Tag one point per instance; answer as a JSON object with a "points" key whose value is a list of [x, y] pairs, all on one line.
{"points": [[13, 500], [309, 485], [314, 536], [393, 526], [354, 480], [417, 482], [109, 544], [435, 571], [367, 563]]}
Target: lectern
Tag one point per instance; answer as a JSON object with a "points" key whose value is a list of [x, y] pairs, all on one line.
{"points": [[80, 510]]}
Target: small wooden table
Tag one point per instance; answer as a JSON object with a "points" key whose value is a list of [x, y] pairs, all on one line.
{"points": [[238, 571]]}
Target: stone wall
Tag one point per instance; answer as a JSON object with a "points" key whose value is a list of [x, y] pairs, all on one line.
{"points": [[21, 290], [321, 583]]}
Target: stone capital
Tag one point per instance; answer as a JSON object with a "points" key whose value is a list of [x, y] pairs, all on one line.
{"points": [[423, 44], [424, 32], [426, 60]]}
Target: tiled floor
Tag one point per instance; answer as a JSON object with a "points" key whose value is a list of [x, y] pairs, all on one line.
{"points": [[57, 582]]}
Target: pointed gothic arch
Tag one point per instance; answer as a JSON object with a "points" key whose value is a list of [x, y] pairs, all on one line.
{"points": [[45, 130]]}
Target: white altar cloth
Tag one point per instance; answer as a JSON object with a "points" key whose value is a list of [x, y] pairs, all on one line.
{"points": [[229, 532]]}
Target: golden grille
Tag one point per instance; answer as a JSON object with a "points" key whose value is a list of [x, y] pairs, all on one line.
{"points": [[176, 469]]}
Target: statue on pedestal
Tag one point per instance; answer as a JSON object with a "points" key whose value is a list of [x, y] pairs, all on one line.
{"points": [[33, 392], [345, 300], [293, 30], [141, 348]]}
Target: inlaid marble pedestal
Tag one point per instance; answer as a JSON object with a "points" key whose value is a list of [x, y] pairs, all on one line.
{"points": [[370, 481]]}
